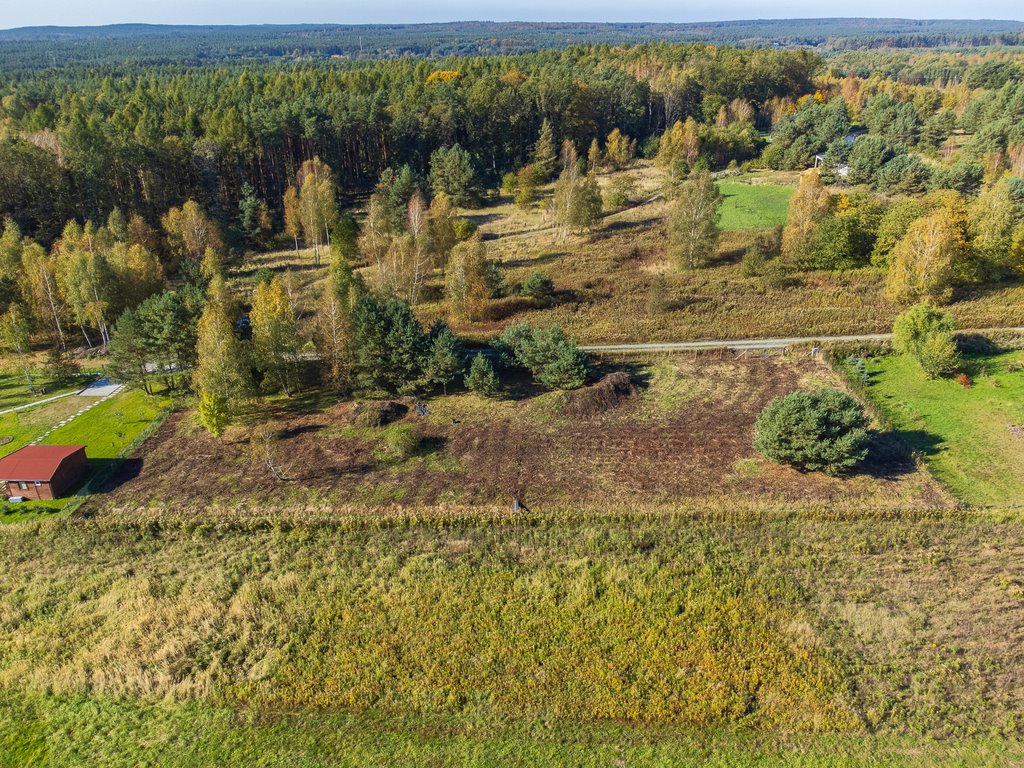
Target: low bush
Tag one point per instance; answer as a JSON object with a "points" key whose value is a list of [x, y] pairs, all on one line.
{"points": [[822, 431], [938, 355], [378, 413], [926, 333], [547, 353], [538, 286], [399, 443], [602, 396]]}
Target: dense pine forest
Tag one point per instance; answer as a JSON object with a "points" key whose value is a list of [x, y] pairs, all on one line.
{"points": [[43, 47], [80, 142]]}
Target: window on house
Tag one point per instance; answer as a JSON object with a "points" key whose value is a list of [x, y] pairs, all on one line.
{"points": [[22, 485]]}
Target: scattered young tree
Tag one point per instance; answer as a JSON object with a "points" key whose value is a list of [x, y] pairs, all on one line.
{"points": [[41, 291], [394, 191], [893, 226], [594, 158], [468, 283], [390, 347], [333, 326], [543, 157], [128, 353], [526, 186], [265, 448], [538, 286], [481, 377], [822, 431], [547, 353], [807, 209], [313, 206], [345, 238], [275, 336], [996, 224], [441, 235], [693, 222], [253, 217], [221, 377], [619, 150], [292, 215], [577, 200], [445, 359], [679, 149], [923, 265], [621, 192], [16, 339]]}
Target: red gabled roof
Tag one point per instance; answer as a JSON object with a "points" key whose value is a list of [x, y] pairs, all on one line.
{"points": [[36, 462]]}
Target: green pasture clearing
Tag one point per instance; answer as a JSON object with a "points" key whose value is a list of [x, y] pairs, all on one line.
{"points": [[753, 206], [125, 733], [972, 438]]}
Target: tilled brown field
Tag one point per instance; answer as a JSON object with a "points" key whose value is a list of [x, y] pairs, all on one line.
{"points": [[686, 434]]}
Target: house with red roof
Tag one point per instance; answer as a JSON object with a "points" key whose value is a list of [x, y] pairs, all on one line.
{"points": [[43, 471]]}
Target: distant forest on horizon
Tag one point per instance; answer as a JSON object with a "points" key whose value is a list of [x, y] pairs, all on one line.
{"points": [[125, 44]]}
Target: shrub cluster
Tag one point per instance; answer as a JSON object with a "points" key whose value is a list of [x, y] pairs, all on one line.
{"points": [[547, 353], [824, 431], [926, 333]]}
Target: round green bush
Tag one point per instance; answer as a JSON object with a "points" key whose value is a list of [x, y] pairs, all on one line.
{"points": [[821, 431]]}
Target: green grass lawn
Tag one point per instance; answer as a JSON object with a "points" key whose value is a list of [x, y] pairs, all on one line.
{"points": [[35, 731], [966, 434], [105, 431], [753, 206], [14, 391]]}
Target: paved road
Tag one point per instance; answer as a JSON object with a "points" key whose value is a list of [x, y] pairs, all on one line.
{"points": [[758, 344]]}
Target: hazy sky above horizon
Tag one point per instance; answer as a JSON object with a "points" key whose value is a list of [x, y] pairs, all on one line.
{"points": [[18, 13]]}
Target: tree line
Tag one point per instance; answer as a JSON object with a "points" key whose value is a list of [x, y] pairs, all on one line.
{"points": [[76, 142]]}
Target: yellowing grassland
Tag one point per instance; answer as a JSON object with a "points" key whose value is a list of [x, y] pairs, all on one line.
{"points": [[800, 621]]}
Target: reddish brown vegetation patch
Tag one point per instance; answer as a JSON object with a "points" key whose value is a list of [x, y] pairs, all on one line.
{"points": [[604, 445]]}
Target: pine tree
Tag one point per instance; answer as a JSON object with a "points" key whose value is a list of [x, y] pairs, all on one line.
{"points": [[128, 354], [452, 174], [481, 377], [543, 157], [390, 348], [445, 360]]}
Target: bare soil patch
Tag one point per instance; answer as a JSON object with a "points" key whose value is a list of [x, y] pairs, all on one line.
{"points": [[679, 430]]}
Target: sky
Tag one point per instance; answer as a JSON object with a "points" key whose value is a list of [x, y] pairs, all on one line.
{"points": [[20, 13]]}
